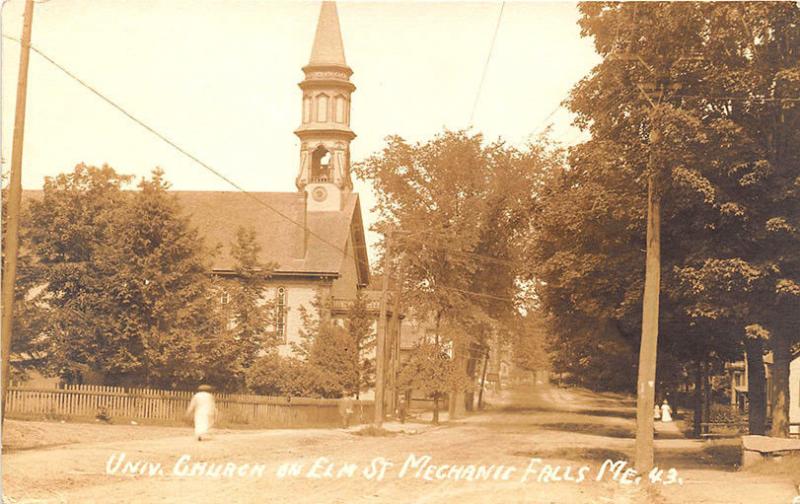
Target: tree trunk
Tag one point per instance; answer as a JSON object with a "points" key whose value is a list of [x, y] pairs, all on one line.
{"points": [[707, 393], [358, 372], [456, 407], [699, 378], [483, 380], [780, 385], [436, 395], [756, 386], [469, 394]]}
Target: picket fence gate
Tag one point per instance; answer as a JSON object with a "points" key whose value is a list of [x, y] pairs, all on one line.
{"points": [[144, 405]]}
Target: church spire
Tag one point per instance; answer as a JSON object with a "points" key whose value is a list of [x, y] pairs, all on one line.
{"points": [[325, 132], [328, 48]]}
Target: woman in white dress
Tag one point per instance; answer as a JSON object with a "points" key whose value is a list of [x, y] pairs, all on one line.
{"points": [[204, 409], [666, 412]]}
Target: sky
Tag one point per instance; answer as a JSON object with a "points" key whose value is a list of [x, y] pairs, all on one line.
{"points": [[219, 78]]}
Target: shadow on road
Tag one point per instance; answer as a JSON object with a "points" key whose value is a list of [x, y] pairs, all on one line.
{"points": [[575, 454], [576, 411], [595, 429]]}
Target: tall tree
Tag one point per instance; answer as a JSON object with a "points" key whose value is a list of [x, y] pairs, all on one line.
{"points": [[29, 315], [727, 165], [359, 328], [456, 202], [431, 371], [245, 309], [328, 350], [160, 292], [68, 227], [127, 285]]}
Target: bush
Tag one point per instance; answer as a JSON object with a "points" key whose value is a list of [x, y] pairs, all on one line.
{"points": [[723, 413], [274, 375], [266, 375]]}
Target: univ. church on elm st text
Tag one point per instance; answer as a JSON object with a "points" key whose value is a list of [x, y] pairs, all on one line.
{"points": [[323, 251]]}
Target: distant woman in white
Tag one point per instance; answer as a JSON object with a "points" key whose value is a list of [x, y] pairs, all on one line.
{"points": [[666, 412], [204, 409]]}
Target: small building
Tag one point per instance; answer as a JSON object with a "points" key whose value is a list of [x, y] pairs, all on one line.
{"points": [[738, 372]]}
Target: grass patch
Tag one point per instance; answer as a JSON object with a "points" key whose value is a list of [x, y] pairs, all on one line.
{"points": [[372, 431]]}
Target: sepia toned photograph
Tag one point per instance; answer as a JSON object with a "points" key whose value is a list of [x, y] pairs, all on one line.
{"points": [[280, 251]]}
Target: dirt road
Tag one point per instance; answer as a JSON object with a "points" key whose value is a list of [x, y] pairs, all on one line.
{"points": [[564, 428]]}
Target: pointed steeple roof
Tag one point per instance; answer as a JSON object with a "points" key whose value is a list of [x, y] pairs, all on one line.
{"points": [[328, 48]]}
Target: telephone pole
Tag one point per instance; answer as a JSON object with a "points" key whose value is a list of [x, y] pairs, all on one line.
{"points": [[380, 350], [11, 245], [648, 349], [395, 363], [645, 400]]}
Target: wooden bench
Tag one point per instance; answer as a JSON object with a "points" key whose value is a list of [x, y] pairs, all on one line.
{"points": [[755, 448]]}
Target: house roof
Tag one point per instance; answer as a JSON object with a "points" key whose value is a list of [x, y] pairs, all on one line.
{"points": [[317, 249]]}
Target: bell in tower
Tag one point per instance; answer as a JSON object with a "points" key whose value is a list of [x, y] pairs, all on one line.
{"points": [[325, 133]]}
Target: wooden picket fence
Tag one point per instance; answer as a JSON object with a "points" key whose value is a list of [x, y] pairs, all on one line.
{"points": [[82, 402]]}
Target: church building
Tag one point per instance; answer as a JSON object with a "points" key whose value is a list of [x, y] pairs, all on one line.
{"points": [[314, 236]]}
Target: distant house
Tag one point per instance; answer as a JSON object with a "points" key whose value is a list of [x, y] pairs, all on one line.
{"points": [[738, 372]]}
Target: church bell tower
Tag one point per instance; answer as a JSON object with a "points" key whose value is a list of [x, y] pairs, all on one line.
{"points": [[325, 132]]}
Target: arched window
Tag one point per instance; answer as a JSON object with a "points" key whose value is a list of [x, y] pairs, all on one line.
{"points": [[322, 108], [321, 165], [341, 104], [280, 315], [227, 310], [306, 109]]}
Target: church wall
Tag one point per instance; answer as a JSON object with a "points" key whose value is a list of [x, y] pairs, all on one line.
{"points": [[298, 294]]}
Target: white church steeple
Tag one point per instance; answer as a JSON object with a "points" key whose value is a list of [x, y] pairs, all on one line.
{"points": [[325, 132]]}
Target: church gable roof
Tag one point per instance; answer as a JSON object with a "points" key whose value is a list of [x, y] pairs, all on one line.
{"points": [[218, 215]]}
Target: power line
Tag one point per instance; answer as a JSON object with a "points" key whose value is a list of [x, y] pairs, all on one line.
{"points": [[465, 253], [179, 148], [544, 121], [478, 294], [217, 173], [486, 64]]}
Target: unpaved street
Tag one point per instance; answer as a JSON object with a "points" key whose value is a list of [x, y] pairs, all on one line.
{"points": [[565, 428]]}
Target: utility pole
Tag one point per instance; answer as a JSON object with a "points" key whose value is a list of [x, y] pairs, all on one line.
{"points": [[395, 364], [11, 245], [380, 350], [645, 400]]}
